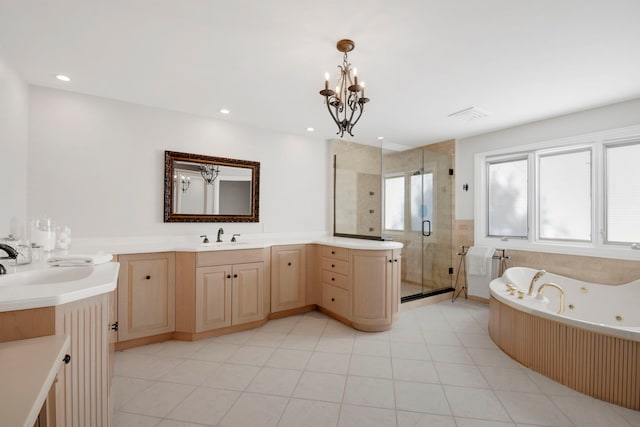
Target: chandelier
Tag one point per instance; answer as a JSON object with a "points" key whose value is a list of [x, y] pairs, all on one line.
{"points": [[209, 172], [346, 103]]}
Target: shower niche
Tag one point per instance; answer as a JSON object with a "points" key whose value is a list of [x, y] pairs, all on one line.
{"points": [[404, 196]]}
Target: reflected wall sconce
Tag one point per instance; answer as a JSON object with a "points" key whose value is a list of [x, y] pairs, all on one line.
{"points": [[465, 187], [185, 183]]}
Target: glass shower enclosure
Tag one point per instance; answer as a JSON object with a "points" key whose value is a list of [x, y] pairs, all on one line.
{"points": [[405, 196]]}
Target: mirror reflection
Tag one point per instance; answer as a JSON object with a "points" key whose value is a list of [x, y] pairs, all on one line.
{"points": [[210, 189]]}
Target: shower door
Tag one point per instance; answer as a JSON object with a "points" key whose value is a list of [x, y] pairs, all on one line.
{"points": [[418, 196]]}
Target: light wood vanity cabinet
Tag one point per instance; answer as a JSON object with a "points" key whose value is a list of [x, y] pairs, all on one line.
{"points": [[288, 277], [221, 289], [336, 281], [376, 277], [146, 295]]}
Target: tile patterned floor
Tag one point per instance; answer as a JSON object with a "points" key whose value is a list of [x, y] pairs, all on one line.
{"points": [[436, 367]]}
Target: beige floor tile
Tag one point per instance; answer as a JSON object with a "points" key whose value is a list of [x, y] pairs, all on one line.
{"points": [[289, 359], [251, 355], [320, 386], [215, 351], [414, 370], [410, 350], [251, 410], [158, 400], [123, 419], [589, 412], [139, 365], [180, 349], [280, 382], [421, 397], [204, 406], [310, 413], [300, 342], [267, 339], [190, 372], [470, 422], [532, 408], [335, 345], [417, 419], [475, 403], [450, 354], [231, 377], [370, 366], [377, 392], [461, 375], [125, 389], [332, 363], [354, 416], [372, 347], [508, 379]]}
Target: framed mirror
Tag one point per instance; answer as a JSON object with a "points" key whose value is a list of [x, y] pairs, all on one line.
{"points": [[200, 188]]}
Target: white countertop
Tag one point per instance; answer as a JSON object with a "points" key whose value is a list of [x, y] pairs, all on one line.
{"points": [[27, 371], [194, 243], [39, 285]]}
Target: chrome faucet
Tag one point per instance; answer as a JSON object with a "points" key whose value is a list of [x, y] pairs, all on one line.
{"points": [[535, 278], [11, 254], [220, 233], [553, 285]]}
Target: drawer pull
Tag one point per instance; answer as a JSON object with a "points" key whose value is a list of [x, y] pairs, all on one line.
{"points": [[289, 264], [333, 266], [333, 299], [333, 279], [148, 277], [333, 252]]}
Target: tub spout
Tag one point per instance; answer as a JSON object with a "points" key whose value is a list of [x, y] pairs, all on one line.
{"points": [[553, 285], [535, 278]]}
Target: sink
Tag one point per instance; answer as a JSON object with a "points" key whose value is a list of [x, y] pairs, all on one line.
{"points": [[223, 244], [45, 276]]}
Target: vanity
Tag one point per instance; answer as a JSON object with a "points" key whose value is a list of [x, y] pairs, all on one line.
{"points": [[194, 293]]}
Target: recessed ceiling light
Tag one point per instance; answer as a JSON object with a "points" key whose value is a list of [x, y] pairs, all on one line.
{"points": [[380, 138], [470, 114], [224, 111], [63, 78], [310, 129]]}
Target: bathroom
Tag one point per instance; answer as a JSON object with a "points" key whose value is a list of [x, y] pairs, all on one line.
{"points": [[96, 165]]}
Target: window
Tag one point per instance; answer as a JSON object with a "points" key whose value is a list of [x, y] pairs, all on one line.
{"points": [[564, 208], [579, 195], [421, 199], [394, 203], [507, 198], [623, 193]]}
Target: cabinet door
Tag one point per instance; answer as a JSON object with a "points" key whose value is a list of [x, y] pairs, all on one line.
{"points": [[372, 277], [146, 295], [288, 278], [247, 293], [213, 297]]}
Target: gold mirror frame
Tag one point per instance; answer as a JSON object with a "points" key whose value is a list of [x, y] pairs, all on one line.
{"points": [[170, 157]]}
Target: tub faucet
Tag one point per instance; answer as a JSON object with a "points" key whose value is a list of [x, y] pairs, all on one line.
{"points": [[535, 278], [553, 285], [220, 233]]}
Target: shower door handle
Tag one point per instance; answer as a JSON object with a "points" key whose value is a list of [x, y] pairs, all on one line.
{"points": [[427, 233]]}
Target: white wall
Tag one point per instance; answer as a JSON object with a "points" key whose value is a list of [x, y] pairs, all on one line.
{"points": [[598, 119], [13, 151], [97, 165]]}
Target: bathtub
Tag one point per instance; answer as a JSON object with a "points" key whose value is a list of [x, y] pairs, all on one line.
{"points": [[592, 347]]}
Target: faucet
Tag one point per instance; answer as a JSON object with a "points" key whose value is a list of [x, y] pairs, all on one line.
{"points": [[233, 238], [11, 254], [535, 278], [553, 285], [205, 240], [220, 233]]}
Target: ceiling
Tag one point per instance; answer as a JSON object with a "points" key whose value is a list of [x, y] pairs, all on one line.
{"points": [[265, 60]]}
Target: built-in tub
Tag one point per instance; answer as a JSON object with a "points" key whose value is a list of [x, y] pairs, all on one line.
{"points": [[592, 347]]}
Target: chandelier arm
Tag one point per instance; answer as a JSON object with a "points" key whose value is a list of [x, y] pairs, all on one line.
{"points": [[361, 109], [333, 116]]}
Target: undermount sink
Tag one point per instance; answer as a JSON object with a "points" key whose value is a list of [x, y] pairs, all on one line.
{"points": [[45, 276], [223, 244]]}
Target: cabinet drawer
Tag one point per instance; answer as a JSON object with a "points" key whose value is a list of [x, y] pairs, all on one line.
{"points": [[237, 256], [336, 279], [335, 300], [335, 265], [334, 252]]}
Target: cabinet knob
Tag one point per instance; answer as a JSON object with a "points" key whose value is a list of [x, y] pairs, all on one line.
{"points": [[390, 260], [333, 265], [395, 260], [333, 279], [66, 359], [289, 264], [235, 276], [333, 299], [228, 276], [333, 252], [148, 277]]}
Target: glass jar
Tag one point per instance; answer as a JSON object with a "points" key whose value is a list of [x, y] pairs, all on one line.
{"points": [[43, 233]]}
